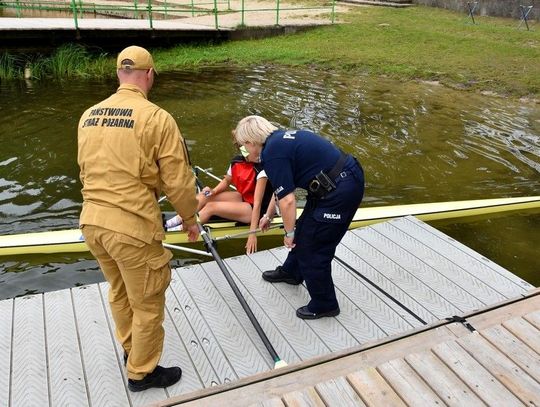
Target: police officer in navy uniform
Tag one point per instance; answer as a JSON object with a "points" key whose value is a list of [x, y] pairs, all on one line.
{"points": [[335, 184]]}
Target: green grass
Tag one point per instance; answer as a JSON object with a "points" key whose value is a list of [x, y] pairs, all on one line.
{"points": [[414, 43]]}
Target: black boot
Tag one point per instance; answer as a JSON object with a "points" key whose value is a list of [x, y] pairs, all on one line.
{"points": [[279, 276], [305, 313], [160, 377]]}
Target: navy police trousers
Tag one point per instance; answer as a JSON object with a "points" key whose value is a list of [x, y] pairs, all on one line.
{"points": [[319, 230]]}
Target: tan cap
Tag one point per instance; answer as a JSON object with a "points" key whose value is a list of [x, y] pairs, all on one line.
{"points": [[135, 57]]}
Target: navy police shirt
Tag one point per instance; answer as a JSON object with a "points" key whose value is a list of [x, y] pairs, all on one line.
{"points": [[292, 158]]}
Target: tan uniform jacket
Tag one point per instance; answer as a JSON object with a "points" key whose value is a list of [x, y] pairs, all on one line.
{"points": [[129, 151]]}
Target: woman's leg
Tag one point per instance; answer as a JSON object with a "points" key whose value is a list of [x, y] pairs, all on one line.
{"points": [[238, 211], [225, 196]]}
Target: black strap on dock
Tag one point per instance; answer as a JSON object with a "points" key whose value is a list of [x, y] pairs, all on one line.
{"points": [[381, 290], [472, 8], [524, 13], [463, 321]]}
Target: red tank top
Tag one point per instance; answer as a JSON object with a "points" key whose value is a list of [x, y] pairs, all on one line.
{"points": [[244, 179]]}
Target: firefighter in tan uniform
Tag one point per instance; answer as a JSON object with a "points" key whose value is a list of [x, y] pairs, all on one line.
{"points": [[131, 151]]}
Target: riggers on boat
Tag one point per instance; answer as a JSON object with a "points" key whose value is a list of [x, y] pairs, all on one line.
{"points": [[71, 240]]}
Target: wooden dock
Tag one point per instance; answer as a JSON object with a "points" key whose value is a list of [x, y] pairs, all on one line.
{"points": [[495, 364], [392, 279]]}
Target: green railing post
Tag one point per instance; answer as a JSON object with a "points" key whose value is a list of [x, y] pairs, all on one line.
{"points": [[243, 10], [150, 14], [192, 9], [136, 10], [18, 9], [277, 13], [165, 9], [228, 5], [215, 14], [74, 9], [333, 11], [81, 9]]}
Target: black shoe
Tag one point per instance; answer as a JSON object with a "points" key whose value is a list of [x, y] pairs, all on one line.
{"points": [[279, 276], [305, 313], [160, 377]]}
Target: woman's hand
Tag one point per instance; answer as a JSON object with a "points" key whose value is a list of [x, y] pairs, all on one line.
{"points": [[289, 242], [251, 244], [264, 223], [207, 191]]}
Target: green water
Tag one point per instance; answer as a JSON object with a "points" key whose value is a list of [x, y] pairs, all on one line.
{"points": [[417, 143]]}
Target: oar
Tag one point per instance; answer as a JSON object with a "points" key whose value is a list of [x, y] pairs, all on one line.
{"points": [[210, 246], [249, 232], [207, 172], [186, 249]]}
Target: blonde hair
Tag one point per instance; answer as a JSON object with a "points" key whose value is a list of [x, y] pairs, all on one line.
{"points": [[253, 129]]}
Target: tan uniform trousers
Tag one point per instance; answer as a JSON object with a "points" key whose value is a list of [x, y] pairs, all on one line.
{"points": [[138, 274]]}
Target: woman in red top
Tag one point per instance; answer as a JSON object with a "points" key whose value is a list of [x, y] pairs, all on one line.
{"points": [[251, 202]]}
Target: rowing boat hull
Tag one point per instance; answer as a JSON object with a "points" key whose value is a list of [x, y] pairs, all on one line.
{"points": [[72, 241]]}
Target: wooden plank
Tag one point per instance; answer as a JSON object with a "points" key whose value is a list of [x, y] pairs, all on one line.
{"points": [[278, 308], [506, 371], [273, 402], [242, 355], [452, 281], [6, 331], [525, 331], [201, 345], [410, 387], [498, 278], [504, 312], [411, 290], [534, 319], [442, 380], [514, 349], [307, 397], [137, 398], [67, 382], [373, 389], [487, 387], [104, 381], [29, 381], [338, 392]]}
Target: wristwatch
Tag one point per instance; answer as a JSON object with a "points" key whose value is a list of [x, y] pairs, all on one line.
{"points": [[289, 234]]}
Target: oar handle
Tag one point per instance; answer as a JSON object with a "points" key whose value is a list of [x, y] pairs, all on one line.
{"points": [[186, 249]]}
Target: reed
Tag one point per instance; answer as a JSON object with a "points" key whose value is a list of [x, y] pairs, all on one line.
{"points": [[9, 67], [68, 61]]}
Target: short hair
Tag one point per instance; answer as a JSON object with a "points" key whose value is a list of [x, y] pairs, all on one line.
{"points": [[253, 129]]}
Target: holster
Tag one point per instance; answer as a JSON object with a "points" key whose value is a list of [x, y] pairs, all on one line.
{"points": [[323, 183]]}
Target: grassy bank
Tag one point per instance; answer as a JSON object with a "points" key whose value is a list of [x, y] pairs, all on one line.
{"points": [[414, 43]]}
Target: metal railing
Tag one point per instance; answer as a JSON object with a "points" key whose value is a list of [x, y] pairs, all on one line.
{"points": [[151, 10]]}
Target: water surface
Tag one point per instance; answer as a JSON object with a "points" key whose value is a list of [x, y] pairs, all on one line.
{"points": [[417, 142]]}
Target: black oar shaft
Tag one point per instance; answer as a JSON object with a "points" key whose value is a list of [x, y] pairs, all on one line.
{"points": [[239, 296]]}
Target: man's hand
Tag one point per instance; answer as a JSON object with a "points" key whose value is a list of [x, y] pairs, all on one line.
{"points": [[192, 232]]}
